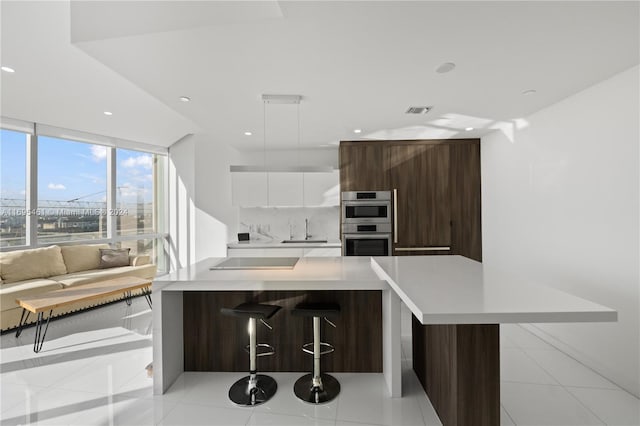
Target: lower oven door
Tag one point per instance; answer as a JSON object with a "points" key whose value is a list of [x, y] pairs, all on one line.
{"points": [[366, 244]]}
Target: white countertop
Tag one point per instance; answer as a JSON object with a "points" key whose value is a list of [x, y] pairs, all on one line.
{"points": [[457, 290], [279, 244], [437, 289], [310, 273]]}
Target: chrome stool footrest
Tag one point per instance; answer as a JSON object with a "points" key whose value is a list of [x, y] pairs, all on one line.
{"points": [[270, 349], [322, 344]]}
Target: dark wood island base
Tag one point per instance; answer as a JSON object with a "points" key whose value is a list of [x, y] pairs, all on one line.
{"points": [[213, 342], [459, 368]]}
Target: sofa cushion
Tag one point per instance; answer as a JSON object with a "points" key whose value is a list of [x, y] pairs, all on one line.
{"points": [[82, 257], [24, 265], [9, 292], [93, 275]]}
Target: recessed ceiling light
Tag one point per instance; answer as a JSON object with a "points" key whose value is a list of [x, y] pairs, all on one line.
{"points": [[357, 131], [468, 129], [108, 113], [446, 67], [529, 92], [248, 133], [7, 69], [185, 98]]}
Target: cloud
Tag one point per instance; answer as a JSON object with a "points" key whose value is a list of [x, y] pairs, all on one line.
{"points": [[56, 186], [98, 153], [93, 178], [145, 161]]}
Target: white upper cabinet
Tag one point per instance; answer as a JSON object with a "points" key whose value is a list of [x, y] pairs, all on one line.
{"points": [[251, 189], [285, 189], [322, 189]]}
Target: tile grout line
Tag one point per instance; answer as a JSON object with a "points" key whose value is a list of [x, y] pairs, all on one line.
{"points": [[508, 415], [554, 378], [570, 356], [584, 405]]}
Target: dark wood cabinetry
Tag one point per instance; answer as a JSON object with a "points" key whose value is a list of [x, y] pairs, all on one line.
{"points": [[361, 167], [466, 215], [436, 185], [419, 178]]}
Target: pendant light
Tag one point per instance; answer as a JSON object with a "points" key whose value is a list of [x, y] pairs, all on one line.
{"points": [[298, 168]]}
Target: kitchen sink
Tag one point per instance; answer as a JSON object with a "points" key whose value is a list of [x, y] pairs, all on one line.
{"points": [[303, 241]]}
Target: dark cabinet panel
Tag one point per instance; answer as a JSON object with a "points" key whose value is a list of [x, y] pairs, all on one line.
{"points": [[215, 342], [419, 175], [361, 167], [466, 214]]}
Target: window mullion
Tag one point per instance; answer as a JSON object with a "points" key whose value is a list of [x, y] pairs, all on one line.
{"points": [[111, 192], [32, 191]]}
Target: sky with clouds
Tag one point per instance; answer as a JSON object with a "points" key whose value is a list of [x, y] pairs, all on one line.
{"points": [[73, 170]]}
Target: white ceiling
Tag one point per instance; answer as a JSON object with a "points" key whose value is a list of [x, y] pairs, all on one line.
{"points": [[356, 64]]}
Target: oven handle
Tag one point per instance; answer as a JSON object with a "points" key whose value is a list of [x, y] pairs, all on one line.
{"points": [[367, 236], [395, 215]]}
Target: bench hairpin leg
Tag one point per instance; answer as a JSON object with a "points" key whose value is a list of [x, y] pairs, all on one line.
{"points": [[39, 338], [23, 321], [147, 295]]}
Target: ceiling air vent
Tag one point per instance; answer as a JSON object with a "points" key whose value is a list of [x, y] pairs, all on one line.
{"points": [[419, 110]]}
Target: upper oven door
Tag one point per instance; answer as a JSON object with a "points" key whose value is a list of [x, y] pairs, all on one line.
{"points": [[366, 212]]}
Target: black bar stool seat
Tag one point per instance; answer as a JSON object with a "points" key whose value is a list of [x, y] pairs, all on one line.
{"points": [[317, 309], [255, 388], [317, 387], [252, 310]]}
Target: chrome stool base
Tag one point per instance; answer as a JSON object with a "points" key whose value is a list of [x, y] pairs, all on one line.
{"points": [[305, 390], [241, 394]]}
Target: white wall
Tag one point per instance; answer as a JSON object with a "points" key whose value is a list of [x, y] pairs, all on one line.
{"points": [[202, 219], [181, 202], [216, 219], [560, 203]]}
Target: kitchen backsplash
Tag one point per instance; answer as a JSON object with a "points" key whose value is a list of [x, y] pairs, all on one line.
{"points": [[282, 223]]}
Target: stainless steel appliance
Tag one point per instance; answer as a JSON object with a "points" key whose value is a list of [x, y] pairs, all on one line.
{"points": [[366, 207], [366, 223]]}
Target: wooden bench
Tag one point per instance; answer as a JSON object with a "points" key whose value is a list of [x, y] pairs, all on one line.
{"points": [[58, 298]]}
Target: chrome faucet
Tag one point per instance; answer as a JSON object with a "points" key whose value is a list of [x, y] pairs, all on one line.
{"points": [[306, 229]]}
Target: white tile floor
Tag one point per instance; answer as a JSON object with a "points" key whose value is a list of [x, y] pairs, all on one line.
{"points": [[91, 371]]}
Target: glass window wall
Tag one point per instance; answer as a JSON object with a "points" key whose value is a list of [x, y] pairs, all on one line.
{"points": [[72, 190]]}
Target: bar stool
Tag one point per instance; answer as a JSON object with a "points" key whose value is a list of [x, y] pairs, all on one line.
{"points": [[318, 387], [255, 388]]}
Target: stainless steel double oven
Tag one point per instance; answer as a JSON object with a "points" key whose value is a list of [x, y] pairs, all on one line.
{"points": [[366, 223]]}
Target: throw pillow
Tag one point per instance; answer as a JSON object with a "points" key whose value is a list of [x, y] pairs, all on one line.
{"points": [[113, 258]]}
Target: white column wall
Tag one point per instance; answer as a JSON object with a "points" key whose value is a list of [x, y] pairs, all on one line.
{"points": [[216, 219], [560, 193], [181, 199], [202, 219]]}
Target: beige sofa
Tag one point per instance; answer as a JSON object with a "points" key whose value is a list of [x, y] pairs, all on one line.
{"points": [[35, 271]]}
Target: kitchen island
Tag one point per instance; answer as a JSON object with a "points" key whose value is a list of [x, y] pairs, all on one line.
{"points": [[187, 321], [457, 305]]}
